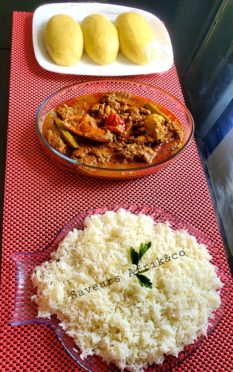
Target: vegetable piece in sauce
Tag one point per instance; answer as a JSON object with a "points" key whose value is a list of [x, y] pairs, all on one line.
{"points": [[54, 139], [156, 110], [173, 125], [155, 126], [65, 134], [114, 123]]}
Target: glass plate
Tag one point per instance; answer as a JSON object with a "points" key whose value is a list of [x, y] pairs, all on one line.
{"points": [[26, 312], [145, 91], [120, 67]]}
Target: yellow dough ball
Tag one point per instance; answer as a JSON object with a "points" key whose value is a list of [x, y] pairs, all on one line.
{"points": [[63, 40], [136, 38], [100, 39]]}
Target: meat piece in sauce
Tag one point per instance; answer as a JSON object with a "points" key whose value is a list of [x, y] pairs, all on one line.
{"points": [[93, 155], [119, 102], [101, 111], [54, 139], [82, 154], [124, 105], [135, 151], [134, 114], [116, 99], [177, 131], [88, 128], [70, 112]]}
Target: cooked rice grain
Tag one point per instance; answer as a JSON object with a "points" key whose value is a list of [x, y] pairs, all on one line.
{"points": [[88, 286]]}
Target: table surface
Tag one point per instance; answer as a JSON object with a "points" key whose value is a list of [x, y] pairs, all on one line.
{"points": [[164, 10], [31, 194], [6, 9]]}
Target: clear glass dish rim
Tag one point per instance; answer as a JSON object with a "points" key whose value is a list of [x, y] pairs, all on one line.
{"points": [[75, 162]]}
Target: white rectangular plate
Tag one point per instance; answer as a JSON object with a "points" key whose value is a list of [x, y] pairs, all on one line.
{"points": [[121, 66]]}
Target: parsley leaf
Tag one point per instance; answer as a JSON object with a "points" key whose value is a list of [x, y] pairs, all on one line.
{"points": [[144, 248], [144, 281], [134, 256]]}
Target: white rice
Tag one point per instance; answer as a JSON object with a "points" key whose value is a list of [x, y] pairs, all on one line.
{"points": [[89, 285]]}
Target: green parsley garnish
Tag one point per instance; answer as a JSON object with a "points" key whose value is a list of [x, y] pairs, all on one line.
{"points": [[135, 258], [144, 281]]}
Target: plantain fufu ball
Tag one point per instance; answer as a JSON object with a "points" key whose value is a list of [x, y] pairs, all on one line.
{"points": [[63, 40], [136, 36], [100, 39]]}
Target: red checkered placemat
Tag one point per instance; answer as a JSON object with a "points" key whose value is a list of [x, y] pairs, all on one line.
{"points": [[40, 199]]}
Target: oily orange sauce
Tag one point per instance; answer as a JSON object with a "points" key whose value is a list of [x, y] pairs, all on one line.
{"points": [[85, 102]]}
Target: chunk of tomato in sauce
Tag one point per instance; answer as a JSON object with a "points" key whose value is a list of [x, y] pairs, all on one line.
{"points": [[114, 123]]}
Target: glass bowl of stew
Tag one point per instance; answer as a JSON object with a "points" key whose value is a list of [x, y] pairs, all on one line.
{"points": [[113, 129]]}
